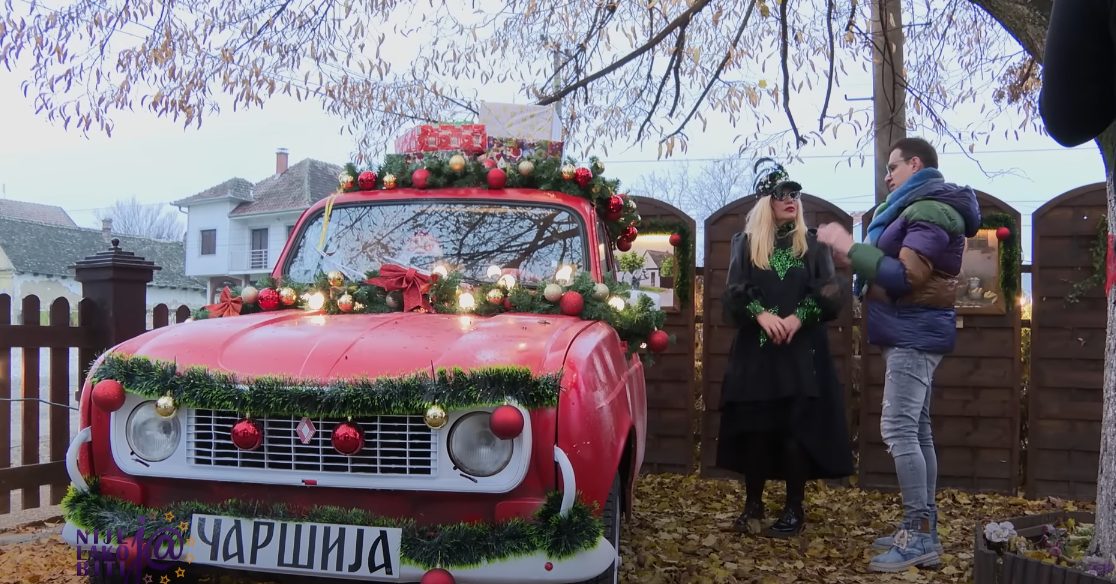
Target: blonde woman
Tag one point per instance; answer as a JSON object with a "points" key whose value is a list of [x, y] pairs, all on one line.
{"points": [[782, 412]]}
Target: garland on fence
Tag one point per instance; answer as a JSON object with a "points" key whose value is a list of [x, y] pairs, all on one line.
{"points": [[1098, 254], [455, 389], [638, 323], [456, 545], [684, 256], [1010, 255]]}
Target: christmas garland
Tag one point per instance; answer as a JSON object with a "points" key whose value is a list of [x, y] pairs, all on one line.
{"points": [[638, 322], [1010, 256], [452, 389], [684, 254], [457, 545], [1097, 254]]}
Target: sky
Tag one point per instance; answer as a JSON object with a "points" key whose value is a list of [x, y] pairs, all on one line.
{"points": [[158, 161]]}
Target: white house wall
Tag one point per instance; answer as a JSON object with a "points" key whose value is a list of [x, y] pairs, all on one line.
{"points": [[241, 245], [213, 215]]}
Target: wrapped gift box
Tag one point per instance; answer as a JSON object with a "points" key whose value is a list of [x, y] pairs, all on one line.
{"points": [[513, 149], [468, 138], [532, 123]]}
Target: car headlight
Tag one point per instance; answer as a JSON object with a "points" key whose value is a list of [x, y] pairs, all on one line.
{"points": [[151, 436], [475, 449]]}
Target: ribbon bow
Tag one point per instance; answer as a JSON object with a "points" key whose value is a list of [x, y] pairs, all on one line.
{"points": [[229, 305], [413, 284]]}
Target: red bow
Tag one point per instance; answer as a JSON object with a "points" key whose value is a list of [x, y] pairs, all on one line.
{"points": [[413, 284], [228, 306]]}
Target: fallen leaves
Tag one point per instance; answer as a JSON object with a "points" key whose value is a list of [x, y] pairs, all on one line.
{"points": [[679, 533]]}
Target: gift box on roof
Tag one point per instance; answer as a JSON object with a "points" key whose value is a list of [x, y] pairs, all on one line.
{"points": [[532, 123], [467, 138], [513, 149]]}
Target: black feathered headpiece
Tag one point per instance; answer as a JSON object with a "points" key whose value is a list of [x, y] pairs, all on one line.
{"points": [[772, 178]]}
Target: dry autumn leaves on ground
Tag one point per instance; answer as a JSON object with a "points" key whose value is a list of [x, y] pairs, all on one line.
{"points": [[678, 535]]}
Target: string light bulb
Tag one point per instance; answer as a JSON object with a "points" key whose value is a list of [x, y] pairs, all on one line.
{"points": [[466, 301]]}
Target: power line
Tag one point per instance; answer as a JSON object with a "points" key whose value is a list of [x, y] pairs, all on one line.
{"points": [[840, 156]]}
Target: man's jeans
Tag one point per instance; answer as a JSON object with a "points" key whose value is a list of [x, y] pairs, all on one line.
{"points": [[905, 427]]}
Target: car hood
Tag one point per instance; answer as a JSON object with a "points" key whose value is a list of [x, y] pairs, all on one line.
{"points": [[317, 346]]}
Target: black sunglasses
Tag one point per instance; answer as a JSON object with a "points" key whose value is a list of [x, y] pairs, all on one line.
{"points": [[785, 195]]}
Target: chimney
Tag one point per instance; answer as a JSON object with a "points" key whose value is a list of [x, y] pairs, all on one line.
{"points": [[106, 229], [280, 161]]}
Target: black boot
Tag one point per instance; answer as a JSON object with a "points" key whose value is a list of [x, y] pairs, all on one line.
{"points": [[790, 523], [753, 511]]}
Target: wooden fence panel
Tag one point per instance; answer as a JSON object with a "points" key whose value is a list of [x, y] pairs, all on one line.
{"points": [[1067, 348], [670, 381], [29, 445], [976, 403], [717, 335], [59, 419]]}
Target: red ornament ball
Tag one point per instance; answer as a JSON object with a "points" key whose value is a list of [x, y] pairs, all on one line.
{"points": [[347, 438], [612, 216], [658, 341], [246, 434], [630, 233], [497, 178], [366, 180], [108, 395], [675, 239], [582, 176], [419, 178], [438, 576], [506, 422], [623, 244], [571, 303], [615, 204], [1003, 233], [489, 163], [268, 299]]}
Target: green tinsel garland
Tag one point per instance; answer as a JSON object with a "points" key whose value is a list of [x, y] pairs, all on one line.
{"points": [[1010, 256], [458, 545], [1097, 254], [684, 254], [454, 389]]}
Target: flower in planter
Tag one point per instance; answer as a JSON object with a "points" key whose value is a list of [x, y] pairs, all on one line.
{"points": [[1098, 566], [999, 532]]}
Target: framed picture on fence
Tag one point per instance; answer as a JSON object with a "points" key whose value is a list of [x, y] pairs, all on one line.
{"points": [[978, 285], [651, 268]]}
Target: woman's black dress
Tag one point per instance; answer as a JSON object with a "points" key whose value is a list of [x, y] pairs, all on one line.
{"points": [[789, 388]]}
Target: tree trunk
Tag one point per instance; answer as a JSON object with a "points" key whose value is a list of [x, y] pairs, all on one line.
{"points": [[1105, 541], [1026, 20]]}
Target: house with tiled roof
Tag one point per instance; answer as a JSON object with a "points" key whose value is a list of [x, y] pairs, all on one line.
{"points": [[26, 211], [37, 258], [235, 230]]}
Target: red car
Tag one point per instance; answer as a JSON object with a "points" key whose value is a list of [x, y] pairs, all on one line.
{"points": [[391, 409]]}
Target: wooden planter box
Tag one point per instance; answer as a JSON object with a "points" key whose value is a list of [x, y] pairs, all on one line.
{"points": [[1016, 569]]}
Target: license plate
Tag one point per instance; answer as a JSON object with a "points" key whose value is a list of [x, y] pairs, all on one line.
{"points": [[349, 551]]}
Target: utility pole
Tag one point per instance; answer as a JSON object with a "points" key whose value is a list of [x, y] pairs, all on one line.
{"points": [[889, 94]]}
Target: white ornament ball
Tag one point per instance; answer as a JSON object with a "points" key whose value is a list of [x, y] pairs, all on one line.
{"points": [[600, 291], [249, 294], [552, 292], [526, 168]]}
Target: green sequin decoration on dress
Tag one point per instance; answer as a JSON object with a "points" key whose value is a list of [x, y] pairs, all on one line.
{"points": [[783, 259]]}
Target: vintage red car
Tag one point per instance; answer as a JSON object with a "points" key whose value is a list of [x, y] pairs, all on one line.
{"points": [[365, 425]]}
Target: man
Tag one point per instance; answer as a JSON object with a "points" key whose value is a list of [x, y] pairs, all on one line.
{"points": [[911, 262]]}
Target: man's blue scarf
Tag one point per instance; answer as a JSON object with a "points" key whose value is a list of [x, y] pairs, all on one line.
{"points": [[898, 200]]}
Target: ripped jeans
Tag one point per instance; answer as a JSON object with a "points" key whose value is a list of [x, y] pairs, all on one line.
{"points": [[905, 428]]}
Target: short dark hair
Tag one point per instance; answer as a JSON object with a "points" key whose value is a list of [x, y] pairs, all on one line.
{"points": [[911, 147]]}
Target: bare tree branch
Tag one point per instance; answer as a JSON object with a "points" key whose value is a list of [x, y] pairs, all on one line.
{"points": [[832, 63], [783, 26]]}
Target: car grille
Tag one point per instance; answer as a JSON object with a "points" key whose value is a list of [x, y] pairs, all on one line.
{"points": [[393, 445]]}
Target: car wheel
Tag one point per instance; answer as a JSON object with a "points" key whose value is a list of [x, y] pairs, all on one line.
{"points": [[612, 518]]}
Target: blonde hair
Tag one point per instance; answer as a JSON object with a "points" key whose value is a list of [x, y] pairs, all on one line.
{"points": [[760, 227]]}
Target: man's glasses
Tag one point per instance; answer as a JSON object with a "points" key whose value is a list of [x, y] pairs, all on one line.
{"points": [[786, 195]]}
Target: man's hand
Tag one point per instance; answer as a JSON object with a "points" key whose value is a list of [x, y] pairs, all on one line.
{"points": [[775, 327], [838, 240]]}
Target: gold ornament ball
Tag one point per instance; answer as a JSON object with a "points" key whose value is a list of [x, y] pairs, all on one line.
{"points": [[345, 303], [568, 171], [287, 296], [335, 278], [345, 180], [495, 296], [165, 406], [249, 294], [553, 292], [457, 163], [435, 416], [389, 181], [526, 168], [600, 291]]}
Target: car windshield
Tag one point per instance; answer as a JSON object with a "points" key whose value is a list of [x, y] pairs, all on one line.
{"points": [[481, 242]]}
